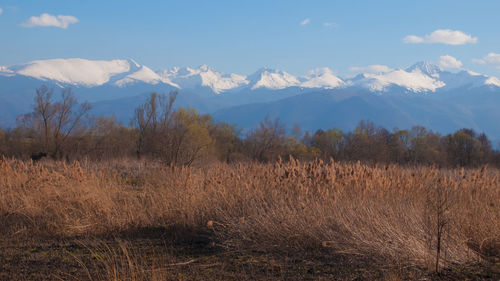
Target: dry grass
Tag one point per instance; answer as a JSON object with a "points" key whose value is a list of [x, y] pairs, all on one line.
{"points": [[387, 214]]}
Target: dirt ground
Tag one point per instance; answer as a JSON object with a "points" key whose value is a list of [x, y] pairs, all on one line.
{"points": [[161, 254]]}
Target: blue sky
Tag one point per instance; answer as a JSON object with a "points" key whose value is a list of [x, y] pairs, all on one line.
{"points": [[242, 36]]}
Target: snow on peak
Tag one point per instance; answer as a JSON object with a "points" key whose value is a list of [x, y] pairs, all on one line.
{"points": [[321, 78], [133, 62], [420, 77], [414, 80], [204, 68], [5, 71], [472, 73], [426, 68], [494, 81], [89, 73], [203, 76], [144, 74], [272, 79], [73, 71]]}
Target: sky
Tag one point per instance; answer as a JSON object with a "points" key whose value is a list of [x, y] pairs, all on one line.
{"points": [[241, 36]]}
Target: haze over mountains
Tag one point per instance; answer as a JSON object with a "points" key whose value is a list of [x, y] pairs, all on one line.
{"points": [[422, 94]]}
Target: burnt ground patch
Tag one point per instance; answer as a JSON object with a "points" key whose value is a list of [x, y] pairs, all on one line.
{"points": [[188, 254]]}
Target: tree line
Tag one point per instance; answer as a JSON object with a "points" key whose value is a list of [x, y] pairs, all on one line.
{"points": [[63, 128]]}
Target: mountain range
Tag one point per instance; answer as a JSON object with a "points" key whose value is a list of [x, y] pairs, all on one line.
{"points": [[422, 94]]}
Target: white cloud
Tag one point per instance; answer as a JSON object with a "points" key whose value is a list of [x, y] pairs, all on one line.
{"points": [[443, 36], [1, 11], [375, 68], [330, 24], [491, 59], [413, 39], [50, 20], [448, 61], [305, 21]]}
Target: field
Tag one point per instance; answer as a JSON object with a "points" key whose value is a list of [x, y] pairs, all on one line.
{"points": [[141, 220]]}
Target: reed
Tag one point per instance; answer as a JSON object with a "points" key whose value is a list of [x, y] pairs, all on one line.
{"points": [[388, 213]]}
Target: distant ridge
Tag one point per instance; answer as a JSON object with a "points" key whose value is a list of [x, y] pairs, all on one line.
{"points": [[422, 94]]}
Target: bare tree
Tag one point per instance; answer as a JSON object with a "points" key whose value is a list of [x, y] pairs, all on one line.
{"points": [[176, 137], [267, 141], [153, 118], [44, 111], [69, 118], [145, 121], [56, 122]]}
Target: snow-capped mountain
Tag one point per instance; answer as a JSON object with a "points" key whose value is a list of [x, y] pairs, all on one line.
{"points": [[272, 79], [492, 81], [453, 80], [323, 78], [414, 81], [204, 76], [265, 78], [143, 74], [426, 68], [422, 94], [422, 77], [86, 73], [419, 78]]}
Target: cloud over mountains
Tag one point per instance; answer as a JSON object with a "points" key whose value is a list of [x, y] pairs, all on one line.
{"points": [[45, 20], [305, 22], [491, 59], [448, 61], [442, 36]]}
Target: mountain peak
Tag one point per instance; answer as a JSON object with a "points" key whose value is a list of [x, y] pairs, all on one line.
{"points": [[73, 71], [203, 76], [132, 62], [414, 79], [420, 77], [425, 67], [272, 79], [321, 78], [143, 74], [492, 81], [204, 68]]}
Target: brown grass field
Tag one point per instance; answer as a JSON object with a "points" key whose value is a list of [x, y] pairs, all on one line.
{"points": [[140, 220]]}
